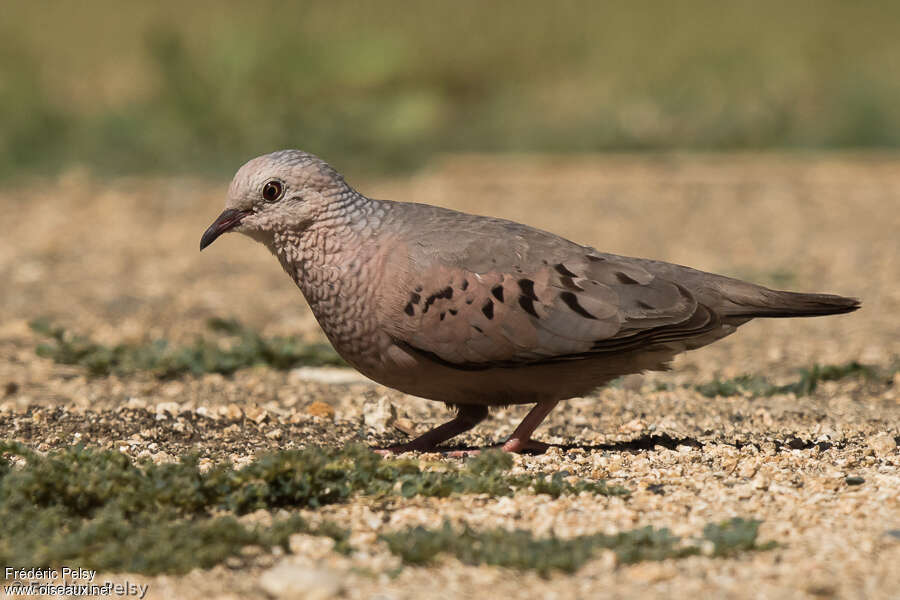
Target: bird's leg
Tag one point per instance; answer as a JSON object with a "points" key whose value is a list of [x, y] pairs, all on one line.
{"points": [[520, 440], [469, 416]]}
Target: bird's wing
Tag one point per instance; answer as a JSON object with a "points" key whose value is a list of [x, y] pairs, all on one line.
{"points": [[521, 296]]}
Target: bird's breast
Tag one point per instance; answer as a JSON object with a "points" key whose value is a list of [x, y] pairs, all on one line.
{"points": [[341, 283]]}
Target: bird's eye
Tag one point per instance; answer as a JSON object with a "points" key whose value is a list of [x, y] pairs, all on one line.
{"points": [[272, 190]]}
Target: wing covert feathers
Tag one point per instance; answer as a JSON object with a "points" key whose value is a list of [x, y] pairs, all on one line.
{"points": [[586, 306]]}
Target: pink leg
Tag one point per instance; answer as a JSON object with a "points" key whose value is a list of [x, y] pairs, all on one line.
{"points": [[468, 417], [520, 440]]}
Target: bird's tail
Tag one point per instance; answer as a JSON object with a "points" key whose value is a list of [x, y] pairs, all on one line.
{"points": [[742, 300], [776, 304]]}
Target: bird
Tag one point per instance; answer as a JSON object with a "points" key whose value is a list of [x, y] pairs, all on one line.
{"points": [[475, 311]]}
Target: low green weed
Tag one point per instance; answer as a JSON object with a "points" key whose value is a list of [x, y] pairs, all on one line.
{"points": [[522, 550], [248, 348], [806, 384]]}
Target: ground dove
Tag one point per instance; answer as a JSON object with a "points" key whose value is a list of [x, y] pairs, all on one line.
{"points": [[475, 311]]}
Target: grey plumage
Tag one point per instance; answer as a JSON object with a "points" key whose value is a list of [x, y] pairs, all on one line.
{"points": [[477, 311]]}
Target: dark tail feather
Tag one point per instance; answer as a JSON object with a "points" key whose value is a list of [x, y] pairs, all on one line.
{"points": [[775, 304]]}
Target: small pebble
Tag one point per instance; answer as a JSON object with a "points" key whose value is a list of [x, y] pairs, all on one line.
{"points": [[320, 409]]}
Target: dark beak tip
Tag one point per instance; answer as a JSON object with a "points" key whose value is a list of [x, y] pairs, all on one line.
{"points": [[229, 219], [209, 236]]}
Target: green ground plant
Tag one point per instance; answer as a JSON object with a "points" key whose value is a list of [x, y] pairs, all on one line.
{"points": [[806, 384], [522, 550], [246, 349], [99, 509]]}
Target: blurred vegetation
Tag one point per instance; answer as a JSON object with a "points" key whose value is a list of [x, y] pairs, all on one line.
{"points": [[97, 509], [202, 86], [237, 348], [806, 384], [521, 550]]}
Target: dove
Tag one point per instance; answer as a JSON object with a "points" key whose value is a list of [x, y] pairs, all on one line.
{"points": [[475, 311]]}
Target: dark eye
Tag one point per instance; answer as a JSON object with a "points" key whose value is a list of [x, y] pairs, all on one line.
{"points": [[272, 190]]}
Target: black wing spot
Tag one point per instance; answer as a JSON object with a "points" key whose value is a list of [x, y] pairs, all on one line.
{"points": [[527, 287], [527, 305], [409, 309], [414, 298], [488, 309], [571, 301], [465, 284], [562, 270], [477, 328], [643, 304], [443, 315], [596, 258], [447, 293], [625, 278], [569, 283], [497, 291], [453, 312]]}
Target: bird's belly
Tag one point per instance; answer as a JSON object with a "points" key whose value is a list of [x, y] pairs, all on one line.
{"points": [[420, 376]]}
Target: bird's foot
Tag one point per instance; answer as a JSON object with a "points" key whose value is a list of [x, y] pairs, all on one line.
{"points": [[511, 445], [527, 446]]}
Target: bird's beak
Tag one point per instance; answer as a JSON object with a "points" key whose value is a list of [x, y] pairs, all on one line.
{"points": [[229, 219]]}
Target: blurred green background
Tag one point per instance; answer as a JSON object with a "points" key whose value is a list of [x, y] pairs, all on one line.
{"points": [[149, 87]]}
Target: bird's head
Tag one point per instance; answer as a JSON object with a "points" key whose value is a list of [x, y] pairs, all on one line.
{"points": [[284, 190]]}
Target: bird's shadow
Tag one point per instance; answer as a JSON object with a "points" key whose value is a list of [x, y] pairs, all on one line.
{"points": [[644, 442], [652, 440]]}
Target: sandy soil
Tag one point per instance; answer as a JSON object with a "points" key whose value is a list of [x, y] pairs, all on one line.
{"points": [[118, 259]]}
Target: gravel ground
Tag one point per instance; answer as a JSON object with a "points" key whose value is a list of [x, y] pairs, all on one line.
{"points": [[118, 260]]}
